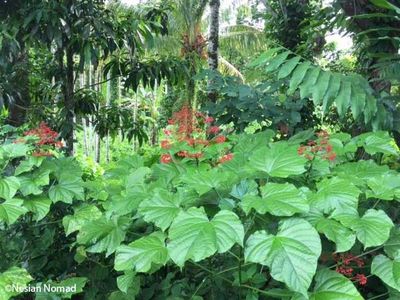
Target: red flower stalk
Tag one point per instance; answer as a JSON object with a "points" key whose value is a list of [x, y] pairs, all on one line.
{"points": [[361, 279], [220, 139], [166, 158], [226, 157]]}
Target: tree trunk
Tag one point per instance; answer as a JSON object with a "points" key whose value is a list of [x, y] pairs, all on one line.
{"points": [[69, 102], [19, 106], [213, 39], [213, 42]]}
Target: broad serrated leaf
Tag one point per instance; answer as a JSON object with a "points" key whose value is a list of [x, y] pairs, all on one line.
{"points": [[335, 195], [204, 181], [291, 255], [278, 199], [377, 142], [243, 188], [129, 283], [161, 209], [82, 214], [331, 285], [39, 205], [385, 269], [288, 67], [28, 164], [384, 187], [142, 254], [9, 187], [334, 231], [372, 229], [280, 160], [15, 150], [33, 183], [105, 235], [392, 245], [13, 276], [193, 236], [67, 189], [11, 210]]}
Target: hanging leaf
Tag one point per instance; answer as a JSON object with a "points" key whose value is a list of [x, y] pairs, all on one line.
{"points": [[288, 67], [298, 75]]}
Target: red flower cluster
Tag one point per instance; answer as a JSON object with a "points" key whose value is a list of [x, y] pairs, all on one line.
{"points": [[46, 138], [345, 264], [193, 132], [45, 134], [320, 148]]}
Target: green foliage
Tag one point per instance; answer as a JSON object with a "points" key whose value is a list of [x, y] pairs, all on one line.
{"points": [[187, 227], [325, 88]]}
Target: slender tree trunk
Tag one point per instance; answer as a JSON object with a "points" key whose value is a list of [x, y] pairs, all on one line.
{"points": [[213, 41], [69, 102], [19, 106]]}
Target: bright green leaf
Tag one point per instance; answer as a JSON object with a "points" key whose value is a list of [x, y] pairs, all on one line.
{"points": [[141, 254], [193, 236], [291, 255]]}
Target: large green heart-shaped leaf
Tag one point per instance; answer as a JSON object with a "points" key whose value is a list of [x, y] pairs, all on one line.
{"points": [[387, 270], [193, 236], [385, 186], [67, 189], [141, 254], [392, 245], [331, 285], [335, 195], [204, 181], [277, 199], [9, 187], [33, 183], [104, 234], [377, 142], [359, 172], [280, 160], [82, 214], [39, 205], [13, 276], [11, 210], [129, 284], [343, 237], [291, 255], [372, 229], [161, 209], [28, 164]]}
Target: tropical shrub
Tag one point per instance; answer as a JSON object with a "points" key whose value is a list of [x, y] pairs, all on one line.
{"points": [[303, 218]]}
